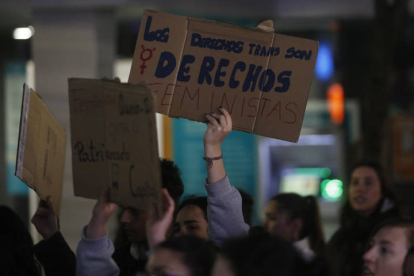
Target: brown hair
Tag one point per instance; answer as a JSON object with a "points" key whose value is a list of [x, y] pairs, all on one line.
{"points": [[407, 224], [348, 214]]}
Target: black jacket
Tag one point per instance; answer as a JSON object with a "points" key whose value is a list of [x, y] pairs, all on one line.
{"points": [[128, 265], [56, 256]]}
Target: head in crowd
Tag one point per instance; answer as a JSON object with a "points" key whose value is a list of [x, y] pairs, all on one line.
{"points": [[17, 245], [184, 256], [293, 218], [369, 192], [133, 220], [409, 263], [258, 255], [247, 206], [191, 218], [388, 248], [171, 180]]}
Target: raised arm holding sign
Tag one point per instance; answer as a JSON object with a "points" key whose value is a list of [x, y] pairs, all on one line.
{"points": [[218, 127], [225, 216]]}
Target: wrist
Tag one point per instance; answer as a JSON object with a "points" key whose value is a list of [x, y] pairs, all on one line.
{"points": [[95, 229], [99, 218], [212, 151]]}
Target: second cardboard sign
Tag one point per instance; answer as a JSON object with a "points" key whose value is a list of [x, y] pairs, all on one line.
{"points": [[114, 142]]}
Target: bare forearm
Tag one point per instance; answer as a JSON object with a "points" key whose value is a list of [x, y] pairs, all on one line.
{"points": [[215, 170], [101, 213], [218, 127], [96, 229]]}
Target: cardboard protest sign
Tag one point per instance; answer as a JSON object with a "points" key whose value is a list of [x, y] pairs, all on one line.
{"points": [[41, 149], [194, 66], [114, 142]]}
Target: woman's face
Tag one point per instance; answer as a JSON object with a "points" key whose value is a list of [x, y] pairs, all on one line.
{"points": [[190, 220], [387, 252], [365, 190], [166, 262], [278, 223]]}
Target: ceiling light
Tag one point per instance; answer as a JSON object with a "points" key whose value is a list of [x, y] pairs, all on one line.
{"points": [[23, 33]]}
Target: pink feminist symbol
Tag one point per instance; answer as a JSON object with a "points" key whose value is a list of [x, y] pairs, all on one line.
{"points": [[148, 55]]}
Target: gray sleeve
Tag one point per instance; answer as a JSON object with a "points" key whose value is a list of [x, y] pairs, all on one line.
{"points": [[224, 212], [94, 257]]}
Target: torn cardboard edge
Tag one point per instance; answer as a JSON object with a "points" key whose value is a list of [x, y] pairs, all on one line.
{"points": [[22, 131]]}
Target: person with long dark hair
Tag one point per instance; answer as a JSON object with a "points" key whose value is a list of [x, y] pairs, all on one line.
{"points": [[18, 257], [370, 200], [297, 220]]}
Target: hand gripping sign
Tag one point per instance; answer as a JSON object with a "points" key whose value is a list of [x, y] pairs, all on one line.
{"points": [[193, 66]]}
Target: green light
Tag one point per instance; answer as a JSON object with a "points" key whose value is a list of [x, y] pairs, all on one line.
{"points": [[323, 188], [324, 172], [332, 189], [312, 171]]}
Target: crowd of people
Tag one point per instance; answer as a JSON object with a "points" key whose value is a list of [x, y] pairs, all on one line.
{"points": [[213, 236]]}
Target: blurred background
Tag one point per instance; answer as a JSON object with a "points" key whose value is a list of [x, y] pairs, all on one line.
{"points": [[361, 102]]}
